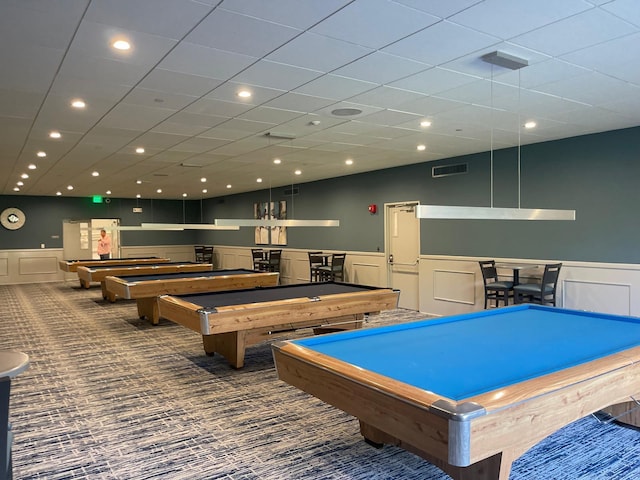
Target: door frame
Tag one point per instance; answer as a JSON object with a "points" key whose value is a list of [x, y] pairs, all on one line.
{"points": [[387, 235]]}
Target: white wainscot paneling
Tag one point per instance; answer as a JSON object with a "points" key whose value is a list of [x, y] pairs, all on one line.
{"points": [[300, 270], [37, 265], [366, 274], [454, 286], [233, 259], [4, 267], [612, 298]]}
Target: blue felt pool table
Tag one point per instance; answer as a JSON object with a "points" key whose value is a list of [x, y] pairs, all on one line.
{"points": [[471, 393]]}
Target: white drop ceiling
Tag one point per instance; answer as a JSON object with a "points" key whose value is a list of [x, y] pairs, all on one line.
{"points": [[398, 62]]}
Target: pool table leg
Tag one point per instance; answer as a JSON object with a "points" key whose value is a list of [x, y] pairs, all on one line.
{"points": [[148, 307], [496, 467], [84, 284], [231, 346], [105, 293]]}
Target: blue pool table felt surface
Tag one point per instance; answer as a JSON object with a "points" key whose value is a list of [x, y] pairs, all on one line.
{"points": [[463, 356]]}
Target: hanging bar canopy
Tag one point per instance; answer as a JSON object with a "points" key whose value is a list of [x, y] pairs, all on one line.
{"points": [[247, 222], [491, 213], [186, 226]]}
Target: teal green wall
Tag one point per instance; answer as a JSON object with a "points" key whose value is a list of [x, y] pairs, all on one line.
{"points": [[597, 175], [44, 217]]}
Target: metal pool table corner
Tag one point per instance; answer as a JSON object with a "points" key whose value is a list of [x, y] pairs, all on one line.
{"points": [[400, 381], [231, 321]]}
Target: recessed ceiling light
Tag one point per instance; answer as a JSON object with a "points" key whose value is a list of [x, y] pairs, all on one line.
{"points": [[139, 150], [204, 190], [55, 134], [139, 182], [277, 161], [24, 175], [41, 154], [58, 193], [421, 147], [298, 172], [531, 124], [16, 189], [184, 194], [69, 187], [425, 123], [203, 179], [95, 174], [78, 103], [108, 192], [244, 93], [121, 45], [229, 185], [20, 183], [159, 190], [348, 161], [138, 195], [32, 166], [259, 180]]}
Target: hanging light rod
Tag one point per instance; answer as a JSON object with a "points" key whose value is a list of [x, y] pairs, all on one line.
{"points": [[491, 213], [186, 226], [247, 222]]}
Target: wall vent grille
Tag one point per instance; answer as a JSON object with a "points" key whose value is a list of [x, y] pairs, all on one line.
{"points": [[447, 170]]}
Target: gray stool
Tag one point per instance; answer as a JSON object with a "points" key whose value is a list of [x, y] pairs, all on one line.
{"points": [[11, 364]]}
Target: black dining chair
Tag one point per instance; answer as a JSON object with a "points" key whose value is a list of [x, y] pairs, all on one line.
{"points": [[494, 288], [334, 271], [207, 255], [272, 264], [316, 260], [199, 251], [258, 257], [543, 293]]}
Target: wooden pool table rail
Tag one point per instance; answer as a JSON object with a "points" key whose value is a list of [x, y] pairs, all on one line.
{"points": [[514, 419], [88, 275], [229, 330], [72, 265], [146, 292]]}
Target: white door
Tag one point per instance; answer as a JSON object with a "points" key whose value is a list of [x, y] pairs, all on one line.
{"points": [[108, 224], [76, 239], [80, 236], [402, 242]]}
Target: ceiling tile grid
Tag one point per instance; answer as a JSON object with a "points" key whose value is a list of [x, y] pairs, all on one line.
{"points": [[328, 81]]}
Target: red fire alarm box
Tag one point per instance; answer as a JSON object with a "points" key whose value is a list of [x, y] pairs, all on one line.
{"points": [[373, 208]]}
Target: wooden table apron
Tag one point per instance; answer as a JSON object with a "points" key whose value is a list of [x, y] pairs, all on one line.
{"points": [[230, 329], [146, 293], [472, 438]]}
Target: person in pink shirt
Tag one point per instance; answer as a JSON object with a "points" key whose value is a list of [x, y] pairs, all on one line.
{"points": [[104, 245]]}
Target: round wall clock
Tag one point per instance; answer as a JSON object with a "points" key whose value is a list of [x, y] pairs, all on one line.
{"points": [[12, 218]]}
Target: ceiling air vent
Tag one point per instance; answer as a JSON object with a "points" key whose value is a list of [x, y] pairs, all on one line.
{"points": [[291, 191], [446, 170]]}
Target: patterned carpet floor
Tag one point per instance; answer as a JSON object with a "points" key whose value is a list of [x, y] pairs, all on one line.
{"points": [[108, 396]]}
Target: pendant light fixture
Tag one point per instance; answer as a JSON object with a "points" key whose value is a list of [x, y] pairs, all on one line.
{"points": [[511, 62]]}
